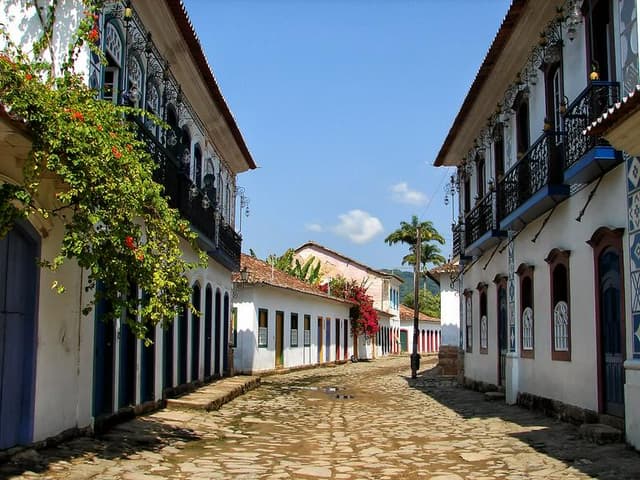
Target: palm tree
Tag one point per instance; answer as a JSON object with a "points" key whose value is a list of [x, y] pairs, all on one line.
{"points": [[407, 233]]}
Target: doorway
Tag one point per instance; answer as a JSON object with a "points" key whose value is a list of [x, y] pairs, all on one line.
{"points": [[327, 350], [319, 332], [611, 343], [502, 331], [19, 251], [404, 341], [279, 339]]}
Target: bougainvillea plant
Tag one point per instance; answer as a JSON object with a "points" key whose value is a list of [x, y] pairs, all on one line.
{"points": [[118, 225], [364, 318]]}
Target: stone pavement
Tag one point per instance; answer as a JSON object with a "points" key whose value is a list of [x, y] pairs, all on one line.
{"points": [[355, 421]]}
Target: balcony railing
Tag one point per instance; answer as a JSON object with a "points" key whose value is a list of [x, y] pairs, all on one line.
{"points": [[230, 244], [183, 195], [539, 167], [587, 107], [479, 221], [457, 248]]}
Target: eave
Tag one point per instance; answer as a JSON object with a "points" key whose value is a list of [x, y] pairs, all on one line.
{"points": [[518, 33]]}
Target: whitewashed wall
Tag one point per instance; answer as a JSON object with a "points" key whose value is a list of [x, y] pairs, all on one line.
{"points": [[449, 311], [249, 299], [571, 382]]}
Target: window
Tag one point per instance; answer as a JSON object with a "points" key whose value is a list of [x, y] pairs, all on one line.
{"points": [[480, 177], [558, 261], [113, 53], [294, 330], [484, 322], [525, 272], [234, 326], [263, 327], [307, 331], [468, 318], [521, 107]]}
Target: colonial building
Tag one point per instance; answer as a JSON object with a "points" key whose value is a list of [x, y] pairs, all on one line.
{"points": [[383, 287], [281, 322], [429, 332], [548, 212], [65, 371]]}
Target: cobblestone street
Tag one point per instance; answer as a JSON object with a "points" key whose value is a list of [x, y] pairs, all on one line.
{"points": [[357, 421]]}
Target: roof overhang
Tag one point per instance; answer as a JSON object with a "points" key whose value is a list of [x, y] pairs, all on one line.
{"points": [[519, 32], [176, 40]]}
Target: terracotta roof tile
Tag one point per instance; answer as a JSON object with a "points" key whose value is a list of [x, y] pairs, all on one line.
{"points": [[261, 273], [406, 313], [444, 268]]}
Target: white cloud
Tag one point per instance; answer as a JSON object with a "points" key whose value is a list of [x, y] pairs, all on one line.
{"points": [[401, 193], [314, 227], [358, 226]]}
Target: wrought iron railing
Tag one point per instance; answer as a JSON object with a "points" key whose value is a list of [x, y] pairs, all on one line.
{"points": [[181, 192], [457, 247], [479, 220], [587, 107], [230, 243], [539, 166]]}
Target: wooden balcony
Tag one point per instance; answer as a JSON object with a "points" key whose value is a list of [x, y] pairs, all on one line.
{"points": [[480, 226], [533, 185], [588, 157], [218, 239]]}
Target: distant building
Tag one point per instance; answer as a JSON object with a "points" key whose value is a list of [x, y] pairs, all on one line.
{"points": [[383, 287], [446, 277], [281, 322], [429, 332]]}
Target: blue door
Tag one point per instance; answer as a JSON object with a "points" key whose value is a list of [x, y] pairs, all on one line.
{"points": [[19, 250], [195, 334], [148, 362], [611, 332], [167, 356], [103, 357], [225, 337], [327, 349], [218, 334], [182, 345], [208, 320]]}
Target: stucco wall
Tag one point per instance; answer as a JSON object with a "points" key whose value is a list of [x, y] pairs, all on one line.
{"points": [[449, 311], [249, 357], [572, 382]]}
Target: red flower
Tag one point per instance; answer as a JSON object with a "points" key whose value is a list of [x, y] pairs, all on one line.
{"points": [[75, 115], [28, 76], [93, 35], [129, 242], [116, 152]]}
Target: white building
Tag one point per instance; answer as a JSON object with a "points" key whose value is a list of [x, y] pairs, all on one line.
{"points": [[429, 332], [384, 289], [64, 371], [548, 220], [281, 322], [446, 278]]}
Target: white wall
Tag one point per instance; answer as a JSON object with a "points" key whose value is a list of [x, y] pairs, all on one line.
{"points": [[571, 382], [449, 311], [248, 357]]}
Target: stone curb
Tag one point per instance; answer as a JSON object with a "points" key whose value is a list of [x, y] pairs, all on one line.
{"points": [[213, 396]]}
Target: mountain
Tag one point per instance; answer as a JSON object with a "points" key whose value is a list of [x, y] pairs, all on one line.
{"points": [[407, 286]]}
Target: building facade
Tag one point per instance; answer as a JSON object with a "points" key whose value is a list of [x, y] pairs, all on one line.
{"points": [[545, 231], [384, 289], [281, 322], [445, 276], [66, 371]]}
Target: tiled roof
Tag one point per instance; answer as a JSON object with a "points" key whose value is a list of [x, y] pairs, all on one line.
{"points": [[313, 244], [444, 268], [406, 313], [191, 38], [614, 114], [261, 273]]}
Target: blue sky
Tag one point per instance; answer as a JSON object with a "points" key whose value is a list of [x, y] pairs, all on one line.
{"points": [[344, 105]]}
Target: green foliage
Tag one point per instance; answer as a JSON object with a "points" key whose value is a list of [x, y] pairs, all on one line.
{"points": [[364, 318], [430, 253], [117, 223], [309, 271], [428, 303]]}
